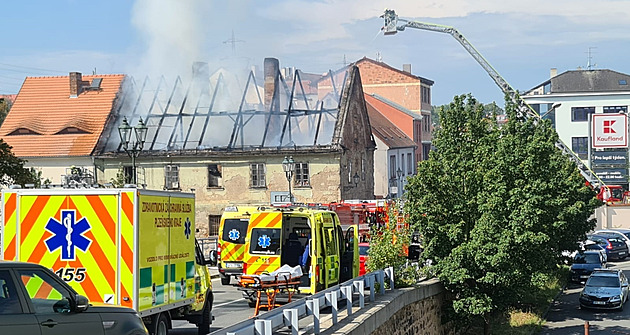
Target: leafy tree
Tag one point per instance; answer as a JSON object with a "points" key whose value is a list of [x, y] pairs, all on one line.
{"points": [[12, 169], [5, 106], [496, 206]]}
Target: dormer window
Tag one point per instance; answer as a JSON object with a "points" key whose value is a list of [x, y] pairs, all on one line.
{"points": [[71, 130], [23, 131]]}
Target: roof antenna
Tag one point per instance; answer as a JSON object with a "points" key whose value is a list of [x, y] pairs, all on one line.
{"points": [[379, 58], [589, 64], [232, 41]]}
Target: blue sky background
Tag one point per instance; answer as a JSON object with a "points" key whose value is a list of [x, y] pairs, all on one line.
{"points": [[522, 40]]}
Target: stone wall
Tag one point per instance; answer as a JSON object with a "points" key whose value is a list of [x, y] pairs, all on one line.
{"points": [[408, 311]]}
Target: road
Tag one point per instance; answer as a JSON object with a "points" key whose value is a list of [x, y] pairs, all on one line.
{"points": [[229, 307], [565, 317]]}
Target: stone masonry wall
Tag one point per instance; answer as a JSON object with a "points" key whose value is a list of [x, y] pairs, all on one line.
{"points": [[421, 317]]}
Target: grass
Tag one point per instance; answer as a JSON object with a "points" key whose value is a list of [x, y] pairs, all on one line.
{"points": [[528, 318]]}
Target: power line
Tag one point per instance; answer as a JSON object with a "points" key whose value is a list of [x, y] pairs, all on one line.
{"points": [[31, 68]]}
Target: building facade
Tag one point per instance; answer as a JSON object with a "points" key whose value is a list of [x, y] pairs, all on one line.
{"points": [[570, 100]]}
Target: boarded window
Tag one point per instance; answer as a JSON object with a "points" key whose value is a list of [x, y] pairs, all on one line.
{"points": [[171, 177], [214, 175]]}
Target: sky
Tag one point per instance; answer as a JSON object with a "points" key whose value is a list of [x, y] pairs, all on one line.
{"points": [[522, 40]]}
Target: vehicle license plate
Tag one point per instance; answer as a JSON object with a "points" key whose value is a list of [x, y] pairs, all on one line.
{"points": [[584, 277], [622, 253], [232, 265], [599, 302]]}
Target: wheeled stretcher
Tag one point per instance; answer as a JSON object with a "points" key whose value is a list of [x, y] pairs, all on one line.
{"points": [[285, 279]]}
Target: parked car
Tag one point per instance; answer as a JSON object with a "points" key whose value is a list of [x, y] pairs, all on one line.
{"points": [[605, 289], [584, 263], [591, 245], [364, 248], [616, 248], [623, 234], [34, 300]]}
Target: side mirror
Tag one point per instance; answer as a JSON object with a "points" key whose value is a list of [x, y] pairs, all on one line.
{"points": [[212, 258], [63, 306], [82, 303]]}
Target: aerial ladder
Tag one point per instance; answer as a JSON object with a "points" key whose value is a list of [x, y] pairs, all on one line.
{"points": [[391, 27]]}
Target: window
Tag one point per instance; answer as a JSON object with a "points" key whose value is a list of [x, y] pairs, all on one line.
{"points": [[302, 175], [171, 177], [128, 174], [425, 151], [214, 175], [213, 225], [579, 114], [402, 163], [392, 167], [265, 241], [426, 94], [623, 82], [9, 301], [615, 109], [409, 164], [46, 294], [234, 230], [579, 145], [257, 175]]}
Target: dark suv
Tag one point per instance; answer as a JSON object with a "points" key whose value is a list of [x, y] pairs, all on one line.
{"points": [[33, 300]]}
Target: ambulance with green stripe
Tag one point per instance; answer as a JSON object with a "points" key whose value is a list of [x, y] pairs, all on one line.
{"points": [[332, 256], [130, 247]]}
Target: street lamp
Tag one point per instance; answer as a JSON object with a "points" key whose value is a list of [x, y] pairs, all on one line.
{"points": [[288, 165], [356, 179], [399, 174], [133, 147]]}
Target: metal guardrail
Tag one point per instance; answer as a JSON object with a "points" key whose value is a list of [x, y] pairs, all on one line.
{"points": [[207, 244], [290, 314]]}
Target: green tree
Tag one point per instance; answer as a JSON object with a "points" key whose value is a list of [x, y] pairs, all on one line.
{"points": [[12, 170], [5, 106], [496, 206]]}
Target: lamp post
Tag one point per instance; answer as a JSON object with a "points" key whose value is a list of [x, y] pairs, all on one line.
{"points": [[133, 147], [399, 174], [356, 179], [288, 165]]}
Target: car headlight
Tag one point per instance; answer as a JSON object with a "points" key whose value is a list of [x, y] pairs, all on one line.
{"points": [[615, 298]]}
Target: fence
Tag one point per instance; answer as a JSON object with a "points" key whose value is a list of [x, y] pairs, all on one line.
{"points": [[207, 244], [290, 314]]}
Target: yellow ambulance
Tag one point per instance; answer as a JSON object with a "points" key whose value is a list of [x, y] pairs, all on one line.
{"points": [[331, 257], [231, 241], [129, 247]]}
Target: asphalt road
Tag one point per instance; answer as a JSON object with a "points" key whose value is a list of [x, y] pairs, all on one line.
{"points": [[229, 308], [565, 316]]}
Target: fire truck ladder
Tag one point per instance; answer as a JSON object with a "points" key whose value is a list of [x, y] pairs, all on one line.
{"points": [[391, 27]]}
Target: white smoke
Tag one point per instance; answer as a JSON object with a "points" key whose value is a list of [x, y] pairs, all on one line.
{"points": [[173, 34]]}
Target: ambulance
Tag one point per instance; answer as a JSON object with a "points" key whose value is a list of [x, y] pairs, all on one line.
{"points": [[129, 247], [231, 241], [332, 255]]}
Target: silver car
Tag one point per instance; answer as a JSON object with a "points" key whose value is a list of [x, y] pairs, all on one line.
{"points": [[605, 289]]}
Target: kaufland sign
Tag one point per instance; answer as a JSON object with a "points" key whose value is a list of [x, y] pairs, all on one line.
{"points": [[610, 130]]}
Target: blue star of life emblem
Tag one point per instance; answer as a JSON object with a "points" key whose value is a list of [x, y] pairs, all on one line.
{"points": [[234, 234], [187, 231], [68, 235], [264, 241]]}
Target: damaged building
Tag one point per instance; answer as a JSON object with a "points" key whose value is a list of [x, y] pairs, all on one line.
{"points": [[228, 146]]}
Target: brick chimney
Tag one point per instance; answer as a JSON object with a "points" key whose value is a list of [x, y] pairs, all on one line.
{"points": [[76, 84], [553, 72], [272, 66]]}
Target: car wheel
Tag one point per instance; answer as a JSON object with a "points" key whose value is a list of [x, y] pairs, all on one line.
{"points": [[225, 280], [160, 326], [204, 327]]}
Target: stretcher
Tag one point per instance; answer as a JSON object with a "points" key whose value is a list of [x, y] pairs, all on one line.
{"points": [[285, 279]]}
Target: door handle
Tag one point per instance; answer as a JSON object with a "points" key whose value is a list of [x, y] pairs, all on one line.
{"points": [[50, 323]]}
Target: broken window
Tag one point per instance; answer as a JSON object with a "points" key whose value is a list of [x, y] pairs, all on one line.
{"points": [[214, 175], [257, 174], [302, 175], [171, 177]]}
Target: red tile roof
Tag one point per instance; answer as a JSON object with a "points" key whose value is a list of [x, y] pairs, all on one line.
{"points": [[385, 130], [46, 122]]}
